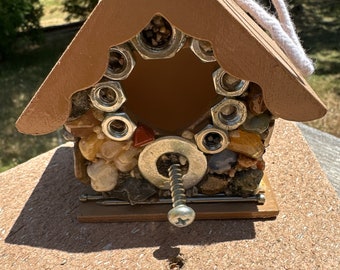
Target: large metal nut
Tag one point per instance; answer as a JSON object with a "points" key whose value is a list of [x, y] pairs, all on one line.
{"points": [[121, 63], [148, 158], [203, 50], [227, 85], [229, 114], [148, 48], [212, 140], [118, 126], [107, 96]]}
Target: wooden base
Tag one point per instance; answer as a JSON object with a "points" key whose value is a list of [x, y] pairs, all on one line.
{"points": [[92, 212]]}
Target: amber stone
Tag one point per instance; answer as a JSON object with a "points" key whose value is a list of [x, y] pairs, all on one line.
{"points": [[110, 149], [80, 165], [89, 147], [127, 160], [82, 126], [104, 176], [255, 100], [246, 143]]}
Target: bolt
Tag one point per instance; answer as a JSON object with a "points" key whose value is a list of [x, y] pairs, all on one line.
{"points": [[180, 215]]}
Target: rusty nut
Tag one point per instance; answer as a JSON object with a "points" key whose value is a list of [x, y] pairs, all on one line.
{"points": [[158, 40], [203, 50], [229, 114], [121, 63], [211, 140], [118, 126], [107, 96], [228, 85]]}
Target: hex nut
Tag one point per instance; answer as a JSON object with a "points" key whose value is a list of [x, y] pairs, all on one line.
{"points": [[203, 50], [228, 85], [121, 63], [211, 140], [147, 162], [107, 96], [118, 126], [229, 114], [167, 50]]}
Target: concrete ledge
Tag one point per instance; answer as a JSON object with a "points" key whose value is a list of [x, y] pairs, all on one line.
{"points": [[39, 230], [326, 148]]}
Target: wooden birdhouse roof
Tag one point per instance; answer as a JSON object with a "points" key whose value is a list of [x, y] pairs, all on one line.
{"points": [[240, 47]]}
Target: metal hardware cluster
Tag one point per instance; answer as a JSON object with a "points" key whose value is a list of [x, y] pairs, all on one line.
{"points": [[159, 40]]}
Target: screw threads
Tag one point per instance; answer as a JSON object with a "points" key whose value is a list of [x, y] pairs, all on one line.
{"points": [[176, 185], [180, 215]]}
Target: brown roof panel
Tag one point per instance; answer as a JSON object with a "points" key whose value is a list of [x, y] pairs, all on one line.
{"points": [[241, 47]]}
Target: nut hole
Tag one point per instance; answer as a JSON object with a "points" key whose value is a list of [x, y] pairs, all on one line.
{"points": [[213, 141], [117, 62], [157, 35], [118, 128], [206, 47], [106, 96], [229, 115], [231, 84]]}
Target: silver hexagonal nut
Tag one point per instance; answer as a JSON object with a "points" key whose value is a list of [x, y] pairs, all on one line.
{"points": [[121, 63], [229, 114], [211, 140], [203, 50], [228, 85], [107, 96], [158, 40], [118, 126]]}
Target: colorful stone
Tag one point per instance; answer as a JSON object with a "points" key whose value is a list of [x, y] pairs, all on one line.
{"points": [[133, 190], [258, 123], [143, 135], [222, 162], [89, 147], [104, 176], [110, 149], [246, 162], [214, 184], [247, 143], [266, 136], [245, 183], [261, 165], [127, 160], [255, 100], [83, 126]]}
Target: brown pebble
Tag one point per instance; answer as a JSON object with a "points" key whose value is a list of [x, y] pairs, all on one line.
{"points": [[213, 184], [255, 100], [245, 161], [261, 165]]}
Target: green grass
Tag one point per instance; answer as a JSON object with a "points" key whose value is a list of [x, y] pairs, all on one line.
{"points": [[53, 13], [19, 79]]}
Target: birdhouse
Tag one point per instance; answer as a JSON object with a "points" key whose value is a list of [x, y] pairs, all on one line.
{"points": [[171, 105]]}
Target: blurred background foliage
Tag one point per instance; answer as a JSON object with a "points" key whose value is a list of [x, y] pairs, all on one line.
{"points": [[30, 44], [18, 18]]}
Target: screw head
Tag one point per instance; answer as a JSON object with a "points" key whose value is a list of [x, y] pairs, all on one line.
{"points": [[181, 215]]}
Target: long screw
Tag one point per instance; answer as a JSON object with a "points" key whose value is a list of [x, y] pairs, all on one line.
{"points": [[180, 215]]}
